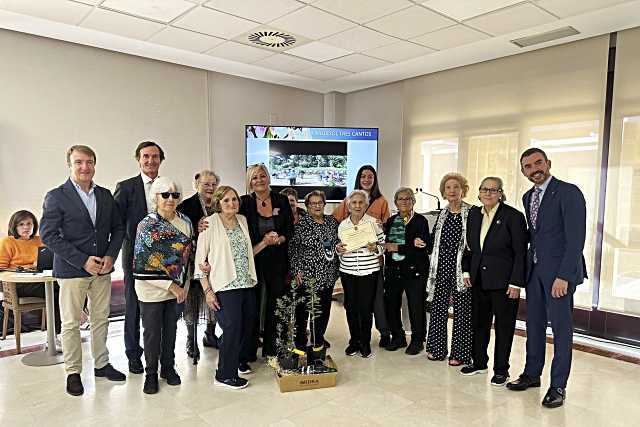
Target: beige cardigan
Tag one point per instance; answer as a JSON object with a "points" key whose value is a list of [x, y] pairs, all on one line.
{"points": [[214, 247]]}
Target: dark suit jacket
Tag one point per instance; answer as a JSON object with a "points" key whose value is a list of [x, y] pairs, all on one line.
{"points": [[276, 257], [416, 261], [192, 208], [501, 261], [66, 228], [559, 235], [132, 203]]}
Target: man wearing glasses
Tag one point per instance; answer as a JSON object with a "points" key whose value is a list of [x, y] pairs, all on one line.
{"points": [[131, 195], [81, 225]]}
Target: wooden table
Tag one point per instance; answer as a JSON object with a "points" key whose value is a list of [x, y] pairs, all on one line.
{"points": [[49, 356]]}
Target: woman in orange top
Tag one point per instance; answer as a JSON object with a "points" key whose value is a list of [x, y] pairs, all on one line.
{"points": [[19, 250], [367, 180]]}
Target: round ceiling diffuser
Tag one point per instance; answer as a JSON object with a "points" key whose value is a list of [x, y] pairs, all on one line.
{"points": [[272, 39]]}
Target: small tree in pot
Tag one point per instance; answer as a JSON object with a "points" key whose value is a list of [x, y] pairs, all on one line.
{"points": [[286, 330], [313, 305]]}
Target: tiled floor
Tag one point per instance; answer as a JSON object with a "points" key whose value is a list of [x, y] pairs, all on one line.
{"points": [[389, 389]]}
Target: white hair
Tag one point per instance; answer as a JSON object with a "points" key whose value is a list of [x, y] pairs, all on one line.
{"points": [[360, 193], [163, 184]]}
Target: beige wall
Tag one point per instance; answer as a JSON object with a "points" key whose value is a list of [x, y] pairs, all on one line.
{"points": [[236, 102]]}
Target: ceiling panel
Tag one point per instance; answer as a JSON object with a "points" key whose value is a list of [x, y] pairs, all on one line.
{"points": [[465, 9], [63, 11], [214, 23], [285, 63], [356, 63], [410, 22], [256, 10], [564, 8], [399, 51], [318, 51], [358, 39], [362, 11], [157, 10], [121, 24], [185, 39], [239, 52], [312, 23], [91, 2], [450, 37], [323, 73], [511, 19]]}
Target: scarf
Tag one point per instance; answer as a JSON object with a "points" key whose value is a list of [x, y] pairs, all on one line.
{"points": [[161, 251], [433, 265]]}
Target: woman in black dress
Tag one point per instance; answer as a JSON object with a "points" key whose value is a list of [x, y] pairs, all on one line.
{"points": [[445, 285], [271, 227], [197, 208]]}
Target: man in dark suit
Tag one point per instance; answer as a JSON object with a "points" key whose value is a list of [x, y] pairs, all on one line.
{"points": [[556, 211], [494, 266], [81, 225], [132, 200]]}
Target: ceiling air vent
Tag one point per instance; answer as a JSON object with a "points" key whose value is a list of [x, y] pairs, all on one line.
{"points": [[545, 37], [274, 39]]}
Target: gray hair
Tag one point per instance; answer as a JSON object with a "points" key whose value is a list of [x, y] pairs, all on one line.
{"points": [[404, 190], [163, 184], [497, 180], [360, 193]]}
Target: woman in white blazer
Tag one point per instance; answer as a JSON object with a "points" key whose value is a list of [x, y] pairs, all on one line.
{"points": [[226, 246]]}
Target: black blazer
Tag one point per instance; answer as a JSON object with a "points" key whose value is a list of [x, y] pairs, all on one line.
{"points": [[502, 259], [132, 203], [560, 232], [276, 256], [192, 208], [66, 228], [416, 261]]}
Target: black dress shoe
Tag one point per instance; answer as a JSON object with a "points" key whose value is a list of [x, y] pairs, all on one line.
{"points": [[327, 344], [352, 350], [171, 376], [523, 382], [385, 340], [396, 344], [554, 398], [135, 366], [415, 347], [74, 385], [150, 384], [110, 373], [192, 350], [210, 341]]}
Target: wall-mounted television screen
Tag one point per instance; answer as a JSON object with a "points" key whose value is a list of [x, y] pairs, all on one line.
{"points": [[308, 158]]}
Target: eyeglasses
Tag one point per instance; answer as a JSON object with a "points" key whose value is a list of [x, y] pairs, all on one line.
{"points": [[492, 191], [166, 195], [316, 203], [404, 199]]}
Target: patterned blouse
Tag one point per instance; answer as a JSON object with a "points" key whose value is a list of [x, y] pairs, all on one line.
{"points": [[312, 250], [240, 259]]}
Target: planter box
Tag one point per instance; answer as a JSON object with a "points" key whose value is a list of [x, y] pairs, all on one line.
{"points": [[308, 382]]}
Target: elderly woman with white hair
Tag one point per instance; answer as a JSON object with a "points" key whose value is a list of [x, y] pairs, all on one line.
{"points": [[164, 241], [359, 274]]}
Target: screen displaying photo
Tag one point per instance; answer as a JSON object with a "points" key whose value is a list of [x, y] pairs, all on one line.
{"points": [[308, 159]]}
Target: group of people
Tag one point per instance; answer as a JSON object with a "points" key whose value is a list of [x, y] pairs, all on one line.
{"points": [[228, 259]]}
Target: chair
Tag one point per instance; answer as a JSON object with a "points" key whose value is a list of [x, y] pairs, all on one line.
{"points": [[19, 305]]}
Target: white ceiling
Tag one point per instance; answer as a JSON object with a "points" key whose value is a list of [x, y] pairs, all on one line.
{"points": [[342, 45]]}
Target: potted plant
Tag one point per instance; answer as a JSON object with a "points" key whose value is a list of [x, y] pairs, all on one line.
{"points": [[286, 330], [313, 305]]}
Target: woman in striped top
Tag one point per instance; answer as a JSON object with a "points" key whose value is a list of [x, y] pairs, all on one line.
{"points": [[359, 274]]}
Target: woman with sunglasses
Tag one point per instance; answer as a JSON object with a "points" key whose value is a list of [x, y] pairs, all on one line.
{"points": [[164, 241], [228, 283], [197, 208], [494, 266]]}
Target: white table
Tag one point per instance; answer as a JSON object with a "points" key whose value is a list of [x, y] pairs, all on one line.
{"points": [[49, 356]]}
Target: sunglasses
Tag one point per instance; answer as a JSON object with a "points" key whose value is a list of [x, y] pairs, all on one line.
{"points": [[166, 195]]}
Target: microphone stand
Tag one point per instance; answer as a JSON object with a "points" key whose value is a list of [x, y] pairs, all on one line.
{"points": [[419, 190]]}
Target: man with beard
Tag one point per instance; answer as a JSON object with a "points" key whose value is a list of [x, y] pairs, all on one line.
{"points": [[556, 213], [133, 203]]}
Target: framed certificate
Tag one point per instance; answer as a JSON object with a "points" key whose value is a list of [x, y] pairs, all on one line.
{"points": [[358, 236]]}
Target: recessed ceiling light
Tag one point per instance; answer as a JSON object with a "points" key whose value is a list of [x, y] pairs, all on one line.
{"points": [[274, 39]]}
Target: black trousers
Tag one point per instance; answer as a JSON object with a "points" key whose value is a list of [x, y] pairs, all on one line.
{"points": [[359, 297], [379, 309], [37, 290], [236, 317], [319, 324], [487, 304], [415, 288], [275, 287], [160, 323], [131, 319]]}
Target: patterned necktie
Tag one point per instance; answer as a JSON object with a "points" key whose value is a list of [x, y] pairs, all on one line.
{"points": [[535, 206]]}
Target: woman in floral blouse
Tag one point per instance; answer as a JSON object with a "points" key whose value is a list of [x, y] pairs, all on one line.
{"points": [[312, 256]]}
